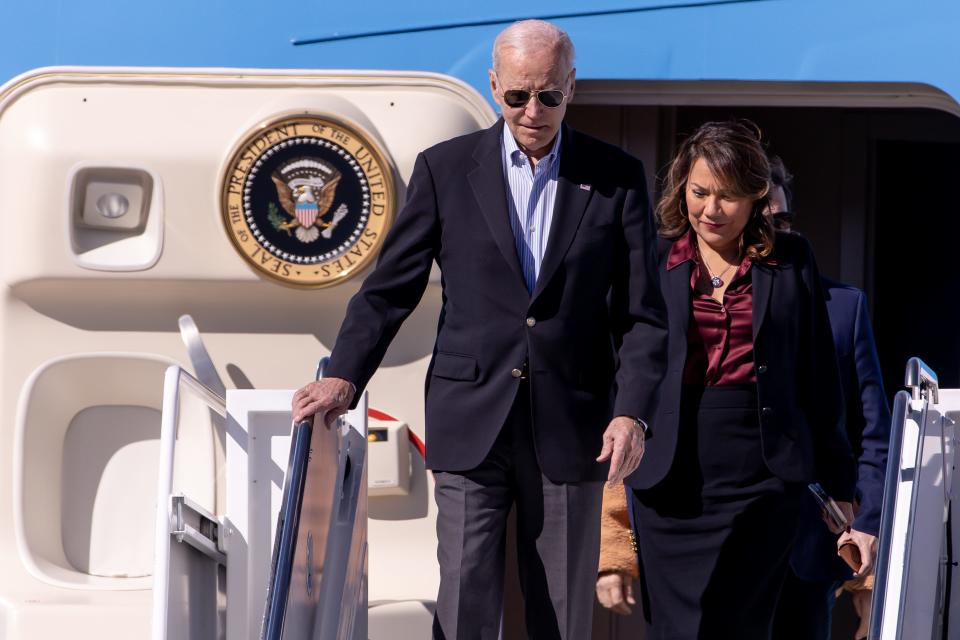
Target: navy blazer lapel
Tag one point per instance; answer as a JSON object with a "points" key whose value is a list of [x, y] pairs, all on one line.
{"points": [[762, 279], [487, 182], [678, 296], [573, 195]]}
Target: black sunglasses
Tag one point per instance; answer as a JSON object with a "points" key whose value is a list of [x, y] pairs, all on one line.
{"points": [[550, 98]]}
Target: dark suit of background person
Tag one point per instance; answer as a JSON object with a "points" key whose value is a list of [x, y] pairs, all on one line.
{"points": [[520, 390], [815, 569]]}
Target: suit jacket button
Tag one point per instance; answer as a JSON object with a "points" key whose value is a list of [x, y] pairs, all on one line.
{"points": [[766, 411], [516, 373], [531, 321], [762, 368]]}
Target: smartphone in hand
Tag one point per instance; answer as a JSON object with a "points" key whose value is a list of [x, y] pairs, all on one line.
{"points": [[829, 506]]}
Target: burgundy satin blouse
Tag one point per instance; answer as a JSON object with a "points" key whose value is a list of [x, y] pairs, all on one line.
{"points": [[720, 336]]}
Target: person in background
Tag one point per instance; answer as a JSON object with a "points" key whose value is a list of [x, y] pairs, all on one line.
{"points": [[750, 410], [815, 570], [547, 252], [618, 553]]}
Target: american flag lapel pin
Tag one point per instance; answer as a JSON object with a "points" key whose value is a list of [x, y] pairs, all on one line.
{"points": [[585, 187]]}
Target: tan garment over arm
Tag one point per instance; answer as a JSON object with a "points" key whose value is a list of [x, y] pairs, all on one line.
{"points": [[618, 551]]}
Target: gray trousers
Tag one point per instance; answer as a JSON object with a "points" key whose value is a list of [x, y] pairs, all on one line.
{"points": [[558, 542]]}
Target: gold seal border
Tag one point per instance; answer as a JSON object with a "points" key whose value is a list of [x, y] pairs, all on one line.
{"points": [[337, 123]]}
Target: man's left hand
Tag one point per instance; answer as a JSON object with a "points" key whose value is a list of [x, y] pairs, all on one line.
{"points": [[866, 544], [623, 443]]}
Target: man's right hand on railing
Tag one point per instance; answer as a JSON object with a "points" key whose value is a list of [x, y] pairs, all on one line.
{"points": [[329, 396]]}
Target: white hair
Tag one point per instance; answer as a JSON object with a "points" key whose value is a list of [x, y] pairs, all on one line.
{"points": [[527, 35]]}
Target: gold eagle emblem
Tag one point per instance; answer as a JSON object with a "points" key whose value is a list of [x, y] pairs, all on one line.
{"points": [[306, 189]]}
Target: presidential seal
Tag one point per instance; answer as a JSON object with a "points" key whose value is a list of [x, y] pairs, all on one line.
{"points": [[307, 200]]}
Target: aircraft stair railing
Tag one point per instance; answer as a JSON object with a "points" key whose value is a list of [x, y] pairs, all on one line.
{"points": [[915, 568], [219, 490], [317, 586], [190, 560]]}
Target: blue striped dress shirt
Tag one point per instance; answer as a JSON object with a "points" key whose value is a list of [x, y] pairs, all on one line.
{"points": [[531, 194]]}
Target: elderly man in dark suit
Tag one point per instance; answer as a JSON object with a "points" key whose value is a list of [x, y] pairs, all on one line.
{"points": [[550, 343], [807, 599]]}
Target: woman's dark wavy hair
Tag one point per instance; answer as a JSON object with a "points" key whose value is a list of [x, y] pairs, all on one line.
{"points": [[735, 156]]}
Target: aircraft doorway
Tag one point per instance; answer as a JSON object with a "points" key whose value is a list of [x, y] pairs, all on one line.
{"points": [[873, 167], [871, 192]]}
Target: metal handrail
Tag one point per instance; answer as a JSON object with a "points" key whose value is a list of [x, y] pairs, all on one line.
{"points": [[288, 519], [891, 479], [322, 366], [919, 378], [213, 399], [923, 386], [199, 357], [174, 377], [915, 489]]}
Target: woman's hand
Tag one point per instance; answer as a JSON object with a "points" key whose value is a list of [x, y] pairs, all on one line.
{"points": [[615, 592], [866, 544]]}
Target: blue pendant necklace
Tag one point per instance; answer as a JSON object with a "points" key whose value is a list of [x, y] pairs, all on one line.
{"points": [[716, 281]]}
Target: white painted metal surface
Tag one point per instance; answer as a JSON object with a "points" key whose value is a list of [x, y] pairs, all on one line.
{"points": [[915, 548], [258, 445], [185, 590], [179, 126]]}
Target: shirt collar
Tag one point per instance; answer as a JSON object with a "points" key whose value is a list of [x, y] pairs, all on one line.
{"points": [[518, 158], [683, 250]]}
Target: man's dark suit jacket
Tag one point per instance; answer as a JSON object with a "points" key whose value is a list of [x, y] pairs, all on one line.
{"points": [[596, 298], [868, 428], [800, 404]]}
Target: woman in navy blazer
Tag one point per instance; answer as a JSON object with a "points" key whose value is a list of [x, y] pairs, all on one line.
{"points": [[750, 410]]}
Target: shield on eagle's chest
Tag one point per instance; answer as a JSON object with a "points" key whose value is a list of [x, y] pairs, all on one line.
{"points": [[307, 213]]}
